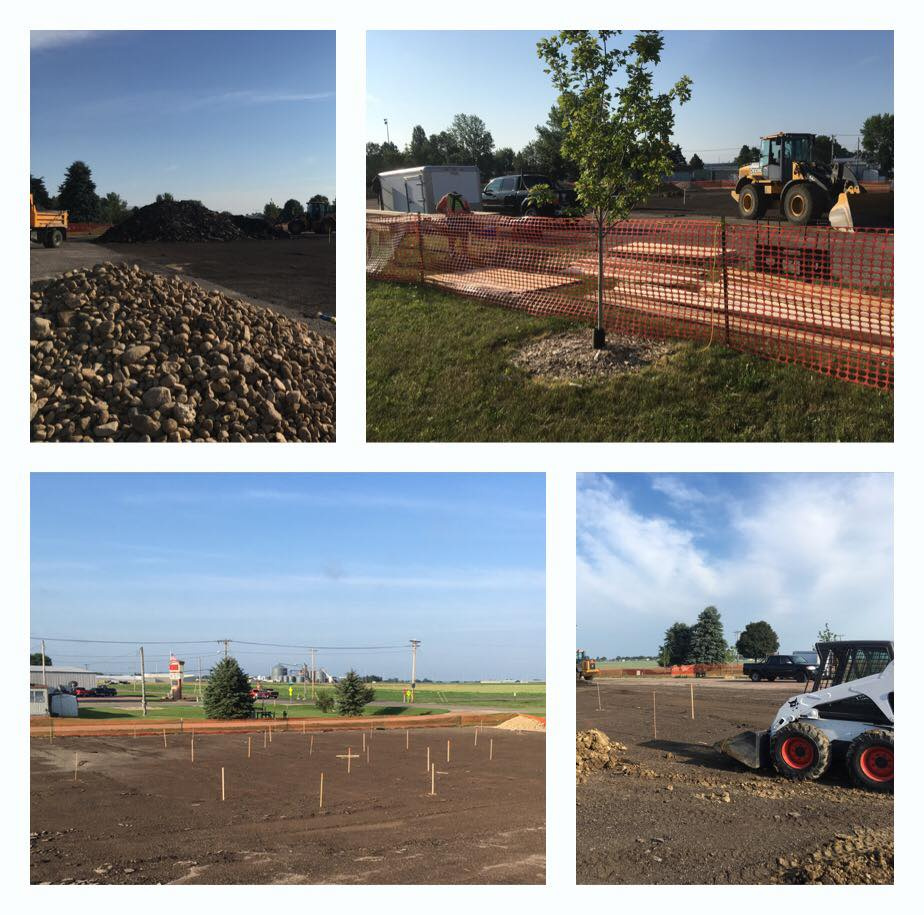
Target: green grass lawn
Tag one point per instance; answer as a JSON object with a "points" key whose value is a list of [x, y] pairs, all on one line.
{"points": [[191, 712], [439, 369]]}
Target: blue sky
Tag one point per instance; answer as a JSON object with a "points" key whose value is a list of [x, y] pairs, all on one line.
{"points": [[457, 561], [232, 118], [745, 84], [796, 550]]}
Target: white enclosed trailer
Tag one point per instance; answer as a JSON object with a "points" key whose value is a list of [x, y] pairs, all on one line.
{"points": [[418, 190]]}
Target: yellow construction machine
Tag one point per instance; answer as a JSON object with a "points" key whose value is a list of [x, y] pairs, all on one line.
{"points": [[47, 226], [586, 668], [788, 176]]}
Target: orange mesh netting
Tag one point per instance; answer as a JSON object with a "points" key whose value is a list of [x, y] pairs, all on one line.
{"points": [[814, 296]]}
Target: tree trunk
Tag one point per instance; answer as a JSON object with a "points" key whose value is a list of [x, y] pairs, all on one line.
{"points": [[599, 332]]}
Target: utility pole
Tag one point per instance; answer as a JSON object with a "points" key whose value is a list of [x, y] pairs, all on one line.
{"points": [[414, 644], [387, 134], [225, 642], [44, 676], [144, 698]]}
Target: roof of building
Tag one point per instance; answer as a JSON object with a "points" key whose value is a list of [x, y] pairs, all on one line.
{"points": [[37, 668]]}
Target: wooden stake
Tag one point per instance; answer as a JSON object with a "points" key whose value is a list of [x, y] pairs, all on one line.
{"points": [[321, 795], [428, 759], [476, 735], [271, 733], [249, 739], [447, 750], [654, 712], [75, 766], [599, 703], [692, 706], [491, 753], [367, 755], [264, 739], [364, 741], [192, 748], [51, 733], [311, 746], [222, 782], [407, 740], [433, 779], [165, 738], [349, 757]]}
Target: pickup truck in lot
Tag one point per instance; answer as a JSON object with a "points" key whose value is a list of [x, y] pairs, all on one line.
{"points": [[799, 666], [509, 195]]}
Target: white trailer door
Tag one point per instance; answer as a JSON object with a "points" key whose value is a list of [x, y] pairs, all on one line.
{"points": [[414, 193]]}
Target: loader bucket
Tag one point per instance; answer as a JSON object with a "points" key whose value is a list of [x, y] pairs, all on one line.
{"points": [[750, 748], [863, 210]]}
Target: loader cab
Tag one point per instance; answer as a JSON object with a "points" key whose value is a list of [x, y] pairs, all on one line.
{"points": [[843, 662], [778, 152]]}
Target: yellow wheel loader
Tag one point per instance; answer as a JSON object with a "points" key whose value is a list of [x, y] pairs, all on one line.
{"points": [[585, 667], [787, 176], [47, 226]]}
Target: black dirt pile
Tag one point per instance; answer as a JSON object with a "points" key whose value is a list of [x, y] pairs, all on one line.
{"points": [[173, 220], [119, 354], [255, 227], [866, 856], [595, 751]]}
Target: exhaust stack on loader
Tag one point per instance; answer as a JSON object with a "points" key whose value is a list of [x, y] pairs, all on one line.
{"points": [[850, 709]]}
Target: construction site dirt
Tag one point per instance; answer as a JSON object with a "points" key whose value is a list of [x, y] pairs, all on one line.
{"points": [[295, 276], [138, 812], [676, 811]]}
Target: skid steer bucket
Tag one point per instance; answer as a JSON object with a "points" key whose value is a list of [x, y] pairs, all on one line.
{"points": [[750, 748], [863, 209]]}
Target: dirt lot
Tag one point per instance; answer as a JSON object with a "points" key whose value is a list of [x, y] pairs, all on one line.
{"points": [[141, 814], [295, 276], [681, 813]]}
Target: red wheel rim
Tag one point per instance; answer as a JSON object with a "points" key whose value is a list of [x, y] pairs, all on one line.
{"points": [[878, 764], [798, 752]]}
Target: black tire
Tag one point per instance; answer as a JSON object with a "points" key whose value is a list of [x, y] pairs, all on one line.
{"points": [[871, 760], [752, 203], [801, 205], [771, 679], [53, 238], [800, 751], [530, 211], [755, 678]]}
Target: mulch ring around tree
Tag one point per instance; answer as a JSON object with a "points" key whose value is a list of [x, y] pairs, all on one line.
{"points": [[570, 356]]}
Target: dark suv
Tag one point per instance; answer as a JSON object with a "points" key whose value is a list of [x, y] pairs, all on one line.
{"points": [[509, 194], [800, 666]]}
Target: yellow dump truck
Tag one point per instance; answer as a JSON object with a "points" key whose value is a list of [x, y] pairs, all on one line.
{"points": [[47, 226]]}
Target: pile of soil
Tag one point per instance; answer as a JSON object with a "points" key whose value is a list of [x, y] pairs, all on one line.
{"points": [[595, 751], [570, 356], [522, 723], [120, 354], [255, 227], [867, 856], [174, 220]]}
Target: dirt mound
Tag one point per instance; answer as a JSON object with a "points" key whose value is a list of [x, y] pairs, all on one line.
{"points": [[571, 357], [173, 220], [119, 354], [522, 723], [866, 856], [595, 751], [254, 227]]}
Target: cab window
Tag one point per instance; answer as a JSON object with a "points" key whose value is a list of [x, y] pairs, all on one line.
{"points": [[508, 184], [494, 186]]}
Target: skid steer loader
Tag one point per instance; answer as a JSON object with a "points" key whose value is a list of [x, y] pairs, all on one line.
{"points": [[849, 712], [787, 175]]}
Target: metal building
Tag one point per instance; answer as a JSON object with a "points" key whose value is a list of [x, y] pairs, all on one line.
{"points": [[63, 677], [279, 673]]}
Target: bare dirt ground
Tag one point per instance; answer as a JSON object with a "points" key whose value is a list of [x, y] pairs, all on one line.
{"points": [[676, 811], [295, 276], [138, 813]]}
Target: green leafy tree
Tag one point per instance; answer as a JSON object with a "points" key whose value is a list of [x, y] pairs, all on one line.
{"points": [[321, 198], [878, 136], [352, 695], [113, 209], [77, 193], [695, 162], [617, 129], [227, 694], [707, 639], [676, 647], [544, 154], [747, 155], [35, 659], [382, 157], [444, 150], [503, 161], [757, 640], [164, 198], [39, 192], [829, 635], [827, 149], [292, 208], [271, 211], [473, 140], [418, 150]]}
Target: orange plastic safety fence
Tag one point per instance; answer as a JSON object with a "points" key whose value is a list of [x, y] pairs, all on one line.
{"points": [[814, 296]]}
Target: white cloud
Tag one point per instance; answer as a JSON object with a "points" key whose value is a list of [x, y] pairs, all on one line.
{"points": [[252, 97], [800, 550], [49, 40]]}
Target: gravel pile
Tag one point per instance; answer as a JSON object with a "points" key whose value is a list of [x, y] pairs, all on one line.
{"points": [[595, 751], [522, 723], [174, 220], [119, 354], [866, 856]]}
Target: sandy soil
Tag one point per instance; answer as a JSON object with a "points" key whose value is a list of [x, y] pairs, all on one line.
{"points": [[138, 813], [677, 811]]}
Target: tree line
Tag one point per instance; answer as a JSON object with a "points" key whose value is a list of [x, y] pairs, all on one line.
{"points": [[77, 194]]}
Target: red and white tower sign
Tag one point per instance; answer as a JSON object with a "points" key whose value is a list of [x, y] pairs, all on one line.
{"points": [[176, 677]]}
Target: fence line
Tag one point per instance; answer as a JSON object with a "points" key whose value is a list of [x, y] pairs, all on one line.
{"points": [[814, 296]]}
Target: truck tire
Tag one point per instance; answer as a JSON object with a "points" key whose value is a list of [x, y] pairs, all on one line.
{"points": [[752, 203], [53, 238], [800, 205], [800, 751], [755, 677], [871, 760]]}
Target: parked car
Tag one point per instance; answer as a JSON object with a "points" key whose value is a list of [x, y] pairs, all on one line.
{"points": [[106, 691], [83, 693], [799, 667], [264, 694], [509, 194]]}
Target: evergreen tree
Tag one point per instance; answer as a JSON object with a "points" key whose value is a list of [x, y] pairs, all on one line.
{"points": [[676, 647], [271, 211], [35, 659], [292, 208], [164, 198], [39, 192], [352, 695], [77, 194], [878, 134], [227, 694], [695, 162], [707, 639], [757, 640]]}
